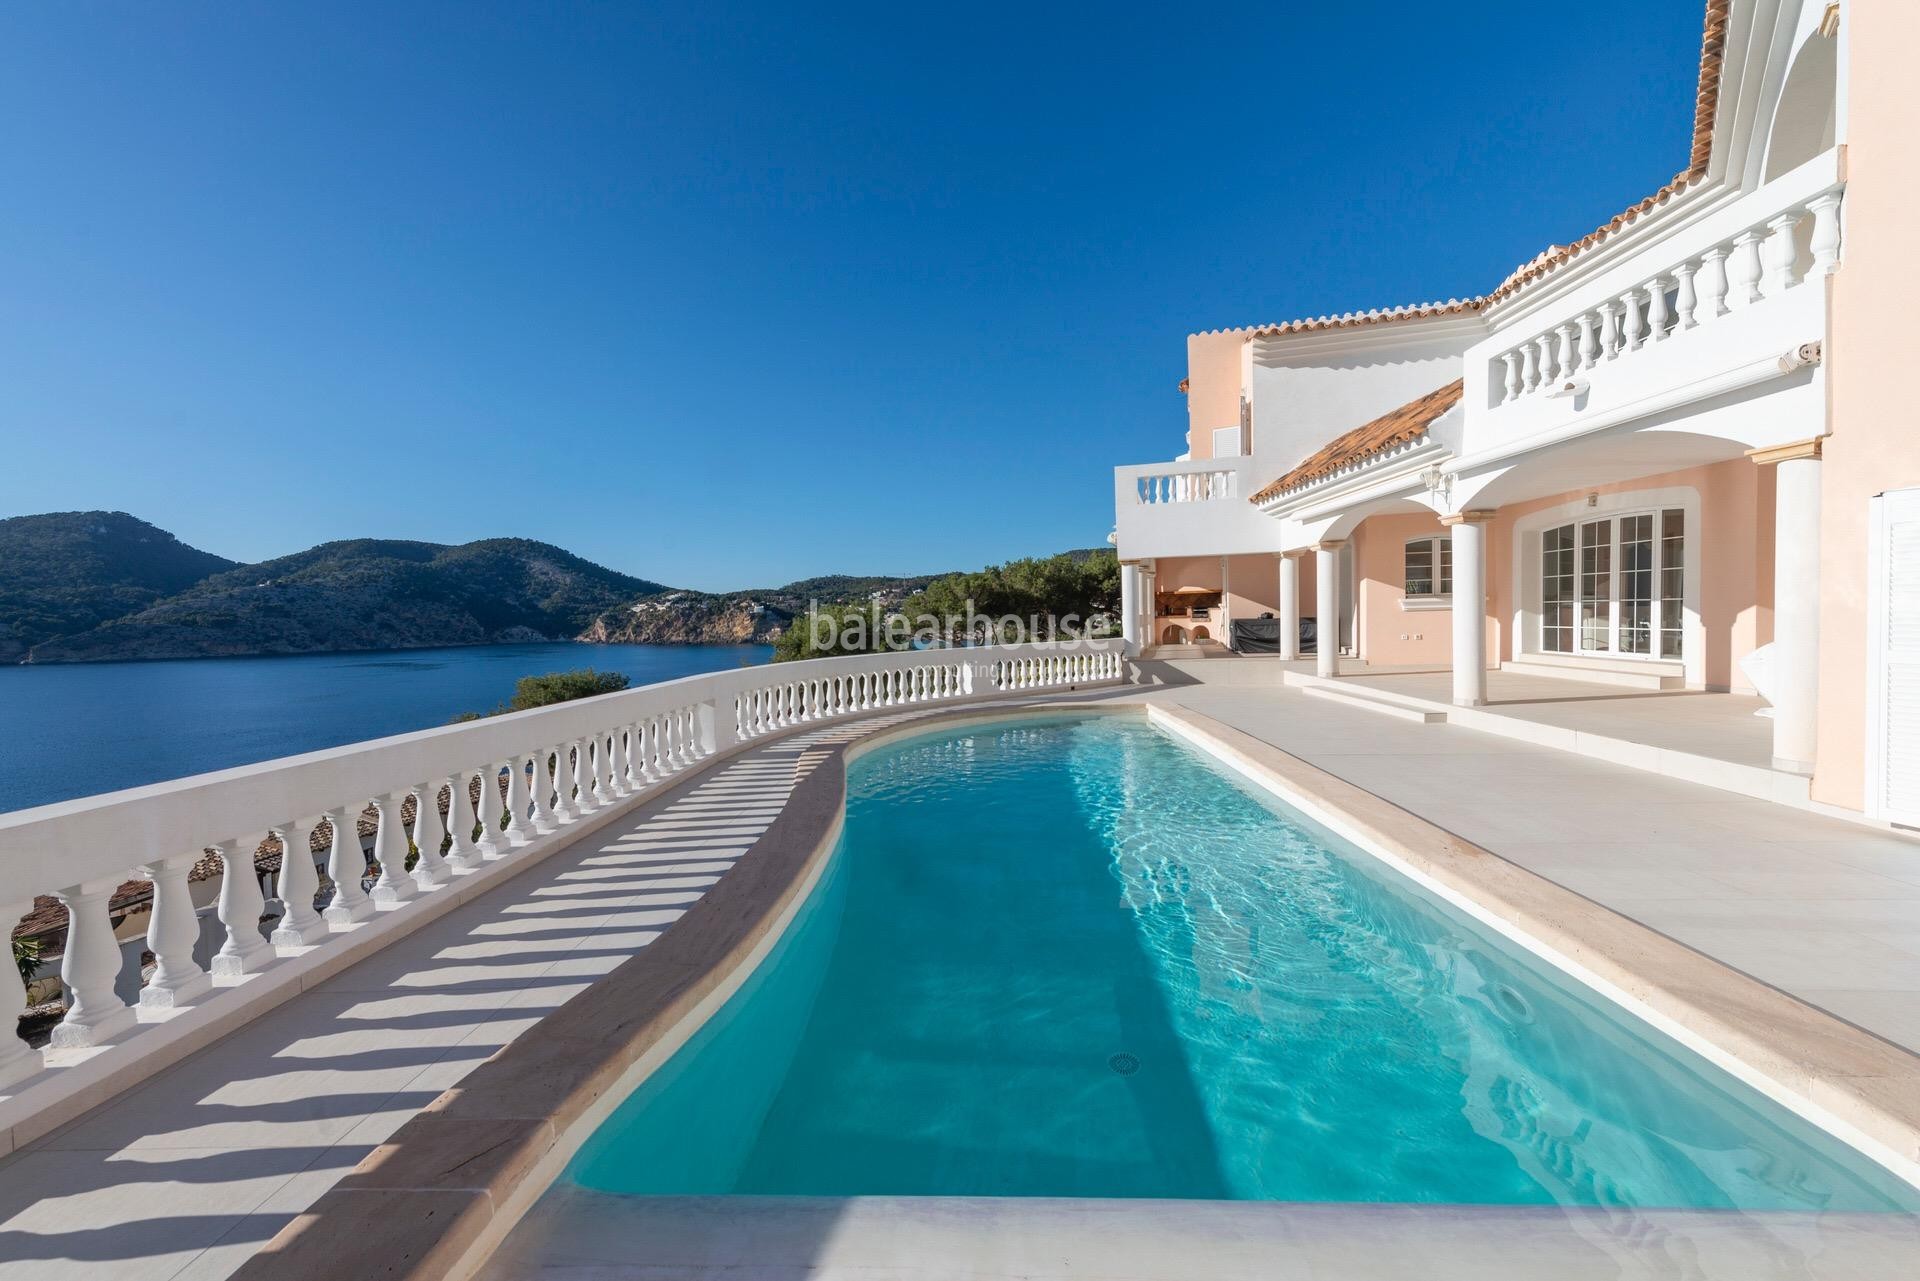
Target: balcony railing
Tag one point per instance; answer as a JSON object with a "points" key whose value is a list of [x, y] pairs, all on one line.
{"points": [[1208, 486], [1738, 269], [481, 792]]}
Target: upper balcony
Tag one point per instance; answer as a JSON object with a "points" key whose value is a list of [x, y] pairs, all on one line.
{"points": [[1723, 301], [1188, 509]]}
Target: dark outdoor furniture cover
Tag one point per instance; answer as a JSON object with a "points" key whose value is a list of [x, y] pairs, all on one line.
{"points": [[1262, 635]]}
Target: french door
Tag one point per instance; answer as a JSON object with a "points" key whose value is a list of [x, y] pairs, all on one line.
{"points": [[1615, 586]]}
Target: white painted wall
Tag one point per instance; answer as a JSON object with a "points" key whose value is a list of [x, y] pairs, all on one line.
{"points": [[1305, 393]]}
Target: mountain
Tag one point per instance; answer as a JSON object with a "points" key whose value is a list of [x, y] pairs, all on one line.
{"points": [[740, 618], [67, 572], [99, 586], [366, 594]]}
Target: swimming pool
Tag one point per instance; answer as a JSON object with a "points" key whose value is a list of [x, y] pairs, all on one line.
{"points": [[1072, 957]]}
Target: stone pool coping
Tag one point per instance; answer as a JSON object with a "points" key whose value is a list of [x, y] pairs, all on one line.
{"points": [[438, 1198]]}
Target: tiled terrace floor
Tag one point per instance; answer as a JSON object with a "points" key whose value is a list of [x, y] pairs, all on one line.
{"points": [[1722, 726]]}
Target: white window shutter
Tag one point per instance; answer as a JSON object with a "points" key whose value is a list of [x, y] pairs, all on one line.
{"points": [[1895, 637]]}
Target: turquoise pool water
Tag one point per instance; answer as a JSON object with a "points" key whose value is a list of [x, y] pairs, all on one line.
{"points": [[1075, 958]]}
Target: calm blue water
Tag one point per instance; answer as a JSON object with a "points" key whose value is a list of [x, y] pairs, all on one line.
{"points": [[1074, 959], [73, 730]]}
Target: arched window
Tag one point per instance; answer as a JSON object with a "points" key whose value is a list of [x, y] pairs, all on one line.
{"points": [[1429, 568]]}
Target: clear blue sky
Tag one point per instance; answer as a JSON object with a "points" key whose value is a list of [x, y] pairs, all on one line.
{"points": [[724, 295]]}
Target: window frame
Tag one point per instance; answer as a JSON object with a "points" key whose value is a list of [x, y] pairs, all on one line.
{"points": [[1439, 549]]}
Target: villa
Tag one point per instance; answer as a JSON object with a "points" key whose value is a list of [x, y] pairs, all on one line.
{"points": [[1488, 850], [1659, 457]]}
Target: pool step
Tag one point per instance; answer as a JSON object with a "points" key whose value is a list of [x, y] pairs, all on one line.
{"points": [[1385, 705]]}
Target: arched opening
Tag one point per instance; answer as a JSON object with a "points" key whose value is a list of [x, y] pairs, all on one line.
{"points": [[1201, 633], [1173, 634], [1803, 120]]}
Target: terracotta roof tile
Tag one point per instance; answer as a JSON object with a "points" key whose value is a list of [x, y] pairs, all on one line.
{"points": [[1400, 426]]}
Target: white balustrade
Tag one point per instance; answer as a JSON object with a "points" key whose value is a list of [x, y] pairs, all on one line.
{"points": [[172, 930], [625, 744], [1759, 262], [346, 866], [239, 908], [429, 833], [17, 1062], [528, 815], [298, 884], [494, 841], [464, 854], [1161, 488], [88, 967], [394, 885]]}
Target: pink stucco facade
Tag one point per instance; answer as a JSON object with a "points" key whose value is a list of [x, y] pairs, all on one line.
{"points": [[1874, 445]]}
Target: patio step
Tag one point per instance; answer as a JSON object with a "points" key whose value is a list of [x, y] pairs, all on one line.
{"points": [[1385, 705], [1623, 673]]}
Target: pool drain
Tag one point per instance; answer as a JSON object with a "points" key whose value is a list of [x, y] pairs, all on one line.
{"points": [[1123, 1063]]}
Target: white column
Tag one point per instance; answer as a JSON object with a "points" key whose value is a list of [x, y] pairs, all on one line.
{"points": [[1224, 625], [394, 885], [1289, 606], [1326, 614], [1130, 606], [17, 1061], [346, 864], [88, 968], [299, 924], [1796, 601], [172, 930], [1469, 533], [239, 909]]}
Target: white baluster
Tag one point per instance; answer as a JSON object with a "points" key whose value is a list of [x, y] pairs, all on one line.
{"points": [[516, 809], [494, 840], [1548, 374], [430, 868], [17, 1060], [546, 781], [1684, 300], [1510, 361], [583, 774], [1712, 282], [1589, 341], [616, 779], [393, 886], [88, 968], [299, 924], [172, 930], [1658, 317], [566, 807], [1782, 254], [463, 855], [1743, 270], [346, 864], [1609, 330], [1825, 244], [1563, 355], [1529, 367], [239, 909], [1633, 322]]}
